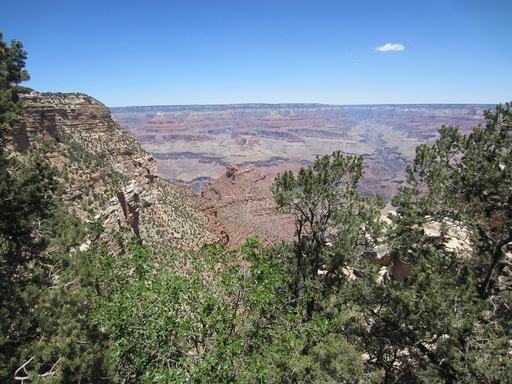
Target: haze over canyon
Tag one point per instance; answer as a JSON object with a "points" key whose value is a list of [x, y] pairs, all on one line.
{"points": [[195, 143]]}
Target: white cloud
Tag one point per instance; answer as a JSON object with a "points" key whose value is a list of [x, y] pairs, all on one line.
{"points": [[390, 47]]}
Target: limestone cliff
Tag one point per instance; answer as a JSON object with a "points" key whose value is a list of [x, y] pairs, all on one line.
{"points": [[107, 176]]}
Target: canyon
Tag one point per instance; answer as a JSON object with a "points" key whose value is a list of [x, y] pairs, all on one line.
{"points": [[229, 153], [196, 143], [107, 178]]}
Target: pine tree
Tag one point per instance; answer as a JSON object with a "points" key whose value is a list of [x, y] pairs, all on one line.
{"points": [[466, 180], [333, 221], [450, 320], [12, 73]]}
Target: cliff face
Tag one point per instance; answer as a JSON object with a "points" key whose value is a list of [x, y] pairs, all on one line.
{"points": [[104, 170], [196, 142], [46, 114]]}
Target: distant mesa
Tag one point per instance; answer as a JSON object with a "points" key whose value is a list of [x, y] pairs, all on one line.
{"points": [[246, 140], [160, 118]]}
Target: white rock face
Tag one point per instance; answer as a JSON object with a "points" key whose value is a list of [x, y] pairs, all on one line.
{"points": [[458, 237]]}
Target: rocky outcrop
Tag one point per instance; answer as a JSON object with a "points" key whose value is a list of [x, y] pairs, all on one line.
{"points": [[45, 114], [104, 170], [242, 200], [130, 204], [395, 267]]}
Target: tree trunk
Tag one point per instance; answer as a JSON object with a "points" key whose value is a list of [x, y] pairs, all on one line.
{"points": [[484, 289]]}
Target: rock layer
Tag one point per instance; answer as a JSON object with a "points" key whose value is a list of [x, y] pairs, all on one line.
{"points": [[104, 170], [193, 143], [243, 202]]}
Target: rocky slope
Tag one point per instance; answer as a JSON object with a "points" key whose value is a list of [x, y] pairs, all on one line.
{"points": [[243, 201], [106, 175], [196, 143]]}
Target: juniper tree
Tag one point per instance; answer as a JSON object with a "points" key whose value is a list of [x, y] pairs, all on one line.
{"points": [[467, 180], [333, 220], [451, 320], [12, 73]]}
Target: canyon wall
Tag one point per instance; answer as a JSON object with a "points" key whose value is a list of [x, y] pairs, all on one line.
{"points": [[196, 143], [107, 177]]}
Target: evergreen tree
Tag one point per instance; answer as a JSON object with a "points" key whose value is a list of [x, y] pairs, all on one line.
{"points": [[333, 221], [12, 73], [449, 322], [465, 180], [45, 293]]}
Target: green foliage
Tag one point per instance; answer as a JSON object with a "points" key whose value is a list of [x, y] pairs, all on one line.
{"points": [[412, 331], [170, 327], [334, 222], [12, 73], [226, 318], [466, 179], [449, 321], [46, 285], [335, 360]]}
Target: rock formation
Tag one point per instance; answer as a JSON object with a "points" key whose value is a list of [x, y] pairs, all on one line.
{"points": [[198, 141], [242, 201], [395, 267], [104, 170]]}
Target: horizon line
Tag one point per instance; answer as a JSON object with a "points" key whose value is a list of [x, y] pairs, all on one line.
{"points": [[301, 103]]}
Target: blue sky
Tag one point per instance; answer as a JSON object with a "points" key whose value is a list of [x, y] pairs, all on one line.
{"points": [[267, 51]]}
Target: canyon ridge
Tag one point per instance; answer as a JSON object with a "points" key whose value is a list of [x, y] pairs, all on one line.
{"points": [[196, 143]]}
